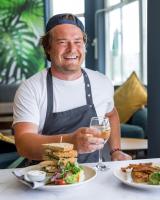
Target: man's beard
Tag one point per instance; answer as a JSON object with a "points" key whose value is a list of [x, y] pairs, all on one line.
{"points": [[67, 69]]}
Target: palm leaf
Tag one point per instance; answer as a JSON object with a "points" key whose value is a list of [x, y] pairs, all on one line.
{"points": [[20, 53]]}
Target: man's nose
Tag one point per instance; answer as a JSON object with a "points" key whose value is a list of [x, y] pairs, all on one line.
{"points": [[71, 46]]}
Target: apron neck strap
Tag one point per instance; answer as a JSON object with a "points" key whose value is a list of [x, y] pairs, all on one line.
{"points": [[50, 91], [87, 89]]}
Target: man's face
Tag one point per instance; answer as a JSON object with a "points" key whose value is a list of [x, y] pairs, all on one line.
{"points": [[67, 48]]}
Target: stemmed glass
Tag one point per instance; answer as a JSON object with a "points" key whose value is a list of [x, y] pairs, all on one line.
{"points": [[103, 125]]}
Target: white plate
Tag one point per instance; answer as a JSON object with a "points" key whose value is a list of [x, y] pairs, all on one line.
{"points": [[89, 173], [128, 180]]}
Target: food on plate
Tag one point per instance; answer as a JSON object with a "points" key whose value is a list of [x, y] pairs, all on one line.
{"points": [[154, 178], [61, 174], [144, 173], [58, 146], [60, 164], [60, 152]]}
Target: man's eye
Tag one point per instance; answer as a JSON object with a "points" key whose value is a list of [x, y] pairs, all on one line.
{"points": [[62, 42], [78, 42]]}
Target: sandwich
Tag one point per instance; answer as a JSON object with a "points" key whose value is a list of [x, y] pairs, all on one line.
{"points": [[60, 163], [58, 146], [59, 153]]}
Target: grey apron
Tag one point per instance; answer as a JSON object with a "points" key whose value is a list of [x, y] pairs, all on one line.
{"points": [[70, 120]]}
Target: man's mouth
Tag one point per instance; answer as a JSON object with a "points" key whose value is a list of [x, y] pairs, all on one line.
{"points": [[70, 57]]}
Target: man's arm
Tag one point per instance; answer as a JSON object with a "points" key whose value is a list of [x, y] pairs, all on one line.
{"points": [[115, 138], [29, 142]]}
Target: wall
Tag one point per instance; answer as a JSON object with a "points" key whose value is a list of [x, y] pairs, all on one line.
{"points": [[154, 78]]}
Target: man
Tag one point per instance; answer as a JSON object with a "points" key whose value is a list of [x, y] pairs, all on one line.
{"points": [[58, 103]]}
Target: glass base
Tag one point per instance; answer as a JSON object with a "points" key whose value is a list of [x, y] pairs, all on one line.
{"points": [[101, 167]]}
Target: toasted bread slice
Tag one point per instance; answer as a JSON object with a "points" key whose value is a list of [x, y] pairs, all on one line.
{"points": [[60, 154], [58, 146], [48, 162], [54, 160]]}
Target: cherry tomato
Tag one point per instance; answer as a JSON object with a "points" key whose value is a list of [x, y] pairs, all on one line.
{"points": [[59, 182]]}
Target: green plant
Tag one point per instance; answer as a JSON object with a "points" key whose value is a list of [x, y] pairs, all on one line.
{"points": [[21, 25]]}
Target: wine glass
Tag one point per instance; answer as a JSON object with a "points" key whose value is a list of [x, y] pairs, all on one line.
{"points": [[103, 125]]}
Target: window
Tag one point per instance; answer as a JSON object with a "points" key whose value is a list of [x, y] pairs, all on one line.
{"points": [[126, 39], [63, 6]]}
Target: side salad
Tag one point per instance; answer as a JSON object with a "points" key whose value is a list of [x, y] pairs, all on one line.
{"points": [[69, 174]]}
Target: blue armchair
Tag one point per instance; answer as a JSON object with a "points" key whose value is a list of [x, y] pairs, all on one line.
{"points": [[136, 126]]}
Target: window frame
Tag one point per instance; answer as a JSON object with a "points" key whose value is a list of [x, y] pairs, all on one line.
{"points": [[142, 52]]}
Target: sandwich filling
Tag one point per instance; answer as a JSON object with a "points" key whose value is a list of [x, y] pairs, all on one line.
{"points": [[60, 164]]}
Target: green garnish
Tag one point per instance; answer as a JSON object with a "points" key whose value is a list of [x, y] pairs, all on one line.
{"points": [[71, 178], [70, 172], [154, 178], [73, 167]]}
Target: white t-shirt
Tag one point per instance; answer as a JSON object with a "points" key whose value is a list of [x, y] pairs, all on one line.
{"points": [[30, 103]]}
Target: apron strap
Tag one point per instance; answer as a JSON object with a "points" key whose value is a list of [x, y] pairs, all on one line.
{"points": [[49, 84], [88, 89], [49, 94]]}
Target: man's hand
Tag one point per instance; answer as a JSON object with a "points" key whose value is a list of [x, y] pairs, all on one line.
{"points": [[119, 155], [87, 140]]}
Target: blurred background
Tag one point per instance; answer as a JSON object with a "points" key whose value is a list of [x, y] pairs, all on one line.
{"points": [[123, 43]]}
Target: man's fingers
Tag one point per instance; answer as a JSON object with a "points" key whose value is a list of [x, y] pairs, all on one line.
{"points": [[89, 148], [88, 140], [95, 132], [91, 132], [119, 155], [95, 140]]}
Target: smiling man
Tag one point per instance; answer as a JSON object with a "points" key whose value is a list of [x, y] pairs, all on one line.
{"points": [[57, 103]]}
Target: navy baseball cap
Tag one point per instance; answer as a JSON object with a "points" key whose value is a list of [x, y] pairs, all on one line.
{"points": [[60, 19]]}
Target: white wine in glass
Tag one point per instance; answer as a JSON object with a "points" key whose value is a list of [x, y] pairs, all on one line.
{"points": [[102, 124]]}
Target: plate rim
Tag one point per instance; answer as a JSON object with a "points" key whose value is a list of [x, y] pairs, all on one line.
{"points": [[59, 187], [117, 171], [75, 184]]}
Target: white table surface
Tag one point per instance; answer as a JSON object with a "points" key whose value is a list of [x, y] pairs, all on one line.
{"points": [[104, 186]]}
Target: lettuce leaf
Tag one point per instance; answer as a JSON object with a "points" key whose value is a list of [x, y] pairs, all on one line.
{"points": [[72, 178], [154, 178]]}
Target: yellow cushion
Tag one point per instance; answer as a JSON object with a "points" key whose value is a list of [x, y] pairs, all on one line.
{"points": [[130, 97], [9, 139]]}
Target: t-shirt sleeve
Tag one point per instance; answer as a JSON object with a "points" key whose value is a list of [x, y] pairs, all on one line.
{"points": [[25, 107]]}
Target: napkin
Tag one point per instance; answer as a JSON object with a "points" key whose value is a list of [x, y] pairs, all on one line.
{"points": [[21, 177]]}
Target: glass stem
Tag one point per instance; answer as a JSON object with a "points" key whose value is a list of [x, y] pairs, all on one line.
{"points": [[100, 155]]}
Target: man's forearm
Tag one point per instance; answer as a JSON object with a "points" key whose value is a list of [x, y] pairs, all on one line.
{"points": [[29, 145], [114, 140]]}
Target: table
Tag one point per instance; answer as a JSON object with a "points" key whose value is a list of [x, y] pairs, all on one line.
{"points": [[104, 186], [135, 146], [6, 116], [6, 108]]}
